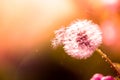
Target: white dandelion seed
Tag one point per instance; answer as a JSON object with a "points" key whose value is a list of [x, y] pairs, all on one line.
{"points": [[80, 39], [59, 37]]}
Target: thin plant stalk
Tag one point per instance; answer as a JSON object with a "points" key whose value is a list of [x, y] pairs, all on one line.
{"points": [[104, 56]]}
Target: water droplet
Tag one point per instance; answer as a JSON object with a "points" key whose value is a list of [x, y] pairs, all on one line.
{"points": [[106, 60], [102, 56], [111, 66]]}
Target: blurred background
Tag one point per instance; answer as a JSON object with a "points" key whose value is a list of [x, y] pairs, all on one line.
{"points": [[26, 30]]}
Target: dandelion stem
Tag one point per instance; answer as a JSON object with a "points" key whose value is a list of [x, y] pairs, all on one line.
{"points": [[104, 56]]}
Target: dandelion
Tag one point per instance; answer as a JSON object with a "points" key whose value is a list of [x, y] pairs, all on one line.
{"points": [[80, 39], [59, 37]]}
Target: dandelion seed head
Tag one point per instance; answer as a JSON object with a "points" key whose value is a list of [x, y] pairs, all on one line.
{"points": [[80, 39], [59, 37]]}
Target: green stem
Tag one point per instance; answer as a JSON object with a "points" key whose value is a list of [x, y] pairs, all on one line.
{"points": [[104, 56]]}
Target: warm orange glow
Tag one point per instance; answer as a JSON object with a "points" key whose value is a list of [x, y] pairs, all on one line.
{"points": [[27, 23]]}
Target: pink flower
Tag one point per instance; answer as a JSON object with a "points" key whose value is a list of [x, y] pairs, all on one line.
{"points": [[97, 77], [107, 78], [101, 77], [80, 39]]}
